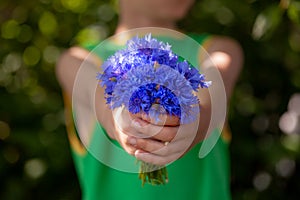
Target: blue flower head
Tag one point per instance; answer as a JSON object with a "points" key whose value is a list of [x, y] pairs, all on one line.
{"points": [[147, 75]]}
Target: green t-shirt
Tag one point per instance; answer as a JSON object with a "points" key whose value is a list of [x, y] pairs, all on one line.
{"points": [[190, 177]]}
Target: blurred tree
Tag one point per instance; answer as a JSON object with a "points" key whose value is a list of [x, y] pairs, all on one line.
{"points": [[35, 161], [264, 159]]}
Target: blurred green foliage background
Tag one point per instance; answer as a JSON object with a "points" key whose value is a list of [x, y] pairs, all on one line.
{"points": [[35, 160]]}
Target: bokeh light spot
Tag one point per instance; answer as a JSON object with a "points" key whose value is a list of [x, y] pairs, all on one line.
{"points": [[31, 55], [260, 27], [11, 154], [35, 168], [48, 23], [91, 35], [25, 34], [224, 16], [285, 167], [51, 54], [294, 104], [5, 78], [12, 62], [10, 29], [262, 181], [106, 13], [294, 11], [37, 95], [289, 123], [20, 14], [4, 130], [246, 106], [267, 21], [77, 6], [291, 142]]}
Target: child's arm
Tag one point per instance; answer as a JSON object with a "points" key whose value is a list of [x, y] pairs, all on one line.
{"points": [[76, 63], [71, 67], [225, 53]]}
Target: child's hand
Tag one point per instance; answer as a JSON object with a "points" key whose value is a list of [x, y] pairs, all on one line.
{"points": [[161, 145], [152, 143], [122, 130]]}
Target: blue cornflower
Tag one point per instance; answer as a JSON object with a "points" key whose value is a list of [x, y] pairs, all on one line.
{"points": [[140, 101], [148, 77]]}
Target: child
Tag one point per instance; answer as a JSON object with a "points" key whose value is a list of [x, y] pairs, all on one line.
{"points": [[190, 177]]}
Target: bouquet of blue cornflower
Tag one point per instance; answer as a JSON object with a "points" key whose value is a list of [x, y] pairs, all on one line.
{"points": [[148, 78]]}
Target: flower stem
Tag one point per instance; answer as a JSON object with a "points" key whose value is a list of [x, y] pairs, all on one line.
{"points": [[153, 174]]}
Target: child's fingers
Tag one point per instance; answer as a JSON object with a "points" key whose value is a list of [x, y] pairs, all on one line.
{"points": [[164, 120], [162, 133], [148, 145]]}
